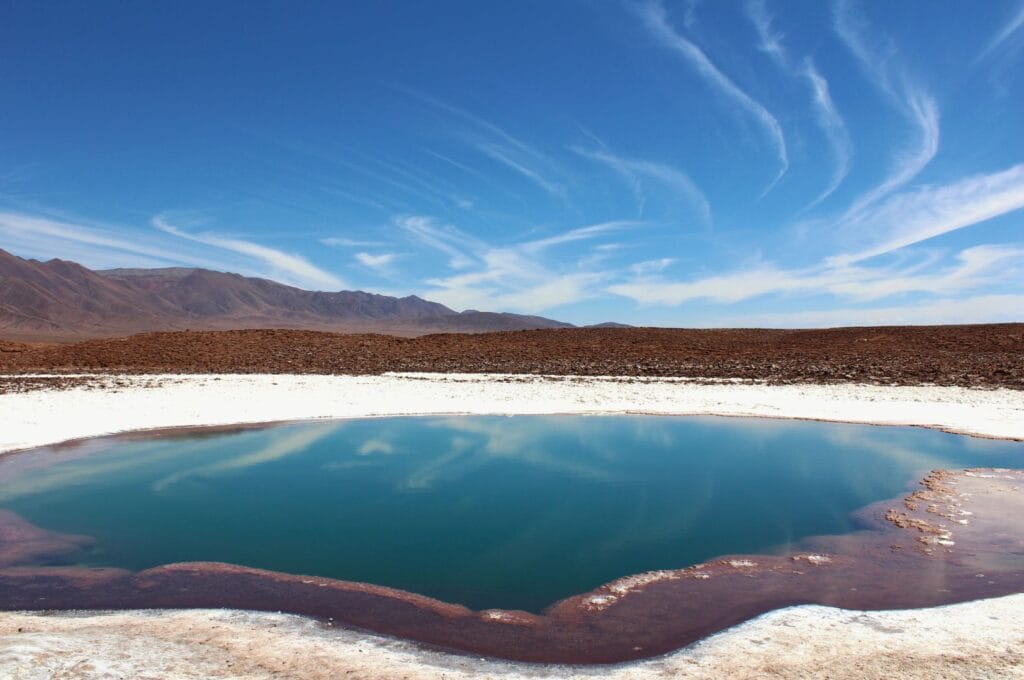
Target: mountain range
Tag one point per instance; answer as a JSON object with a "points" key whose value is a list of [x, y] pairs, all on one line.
{"points": [[62, 300]]}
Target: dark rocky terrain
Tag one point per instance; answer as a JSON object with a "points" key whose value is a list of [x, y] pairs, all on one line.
{"points": [[975, 356]]}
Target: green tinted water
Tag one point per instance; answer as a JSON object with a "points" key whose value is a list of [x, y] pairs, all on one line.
{"points": [[484, 511]]}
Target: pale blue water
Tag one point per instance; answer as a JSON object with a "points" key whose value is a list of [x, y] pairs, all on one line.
{"points": [[484, 511]]}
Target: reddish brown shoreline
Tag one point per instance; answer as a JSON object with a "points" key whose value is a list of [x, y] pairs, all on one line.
{"points": [[971, 356], [903, 561]]}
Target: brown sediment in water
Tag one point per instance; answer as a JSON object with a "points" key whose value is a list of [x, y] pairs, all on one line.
{"points": [[22, 542], [81, 447], [960, 537]]}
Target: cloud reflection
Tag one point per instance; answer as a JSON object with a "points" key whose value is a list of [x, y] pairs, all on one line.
{"points": [[291, 442]]}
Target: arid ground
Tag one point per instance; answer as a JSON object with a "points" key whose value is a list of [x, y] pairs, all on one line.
{"points": [[966, 356]]}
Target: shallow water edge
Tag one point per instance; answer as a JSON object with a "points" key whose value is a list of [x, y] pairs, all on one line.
{"points": [[915, 555]]}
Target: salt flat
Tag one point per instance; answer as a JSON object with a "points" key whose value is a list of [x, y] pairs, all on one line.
{"points": [[982, 639], [976, 639], [112, 404]]}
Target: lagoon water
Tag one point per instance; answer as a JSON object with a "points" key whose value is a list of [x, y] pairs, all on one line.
{"points": [[484, 511]]}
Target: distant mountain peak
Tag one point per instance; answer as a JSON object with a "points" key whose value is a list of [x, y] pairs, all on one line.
{"points": [[60, 299], [124, 273], [609, 324]]}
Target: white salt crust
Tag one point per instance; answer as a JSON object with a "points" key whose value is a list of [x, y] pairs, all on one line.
{"points": [[45, 417], [982, 639]]}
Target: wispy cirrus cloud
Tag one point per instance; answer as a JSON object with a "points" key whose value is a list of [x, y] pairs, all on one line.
{"points": [[505, 158], [509, 283], [285, 266], [432, 183], [901, 220], [914, 216], [651, 266], [725, 288], [514, 277], [770, 39], [478, 122], [992, 308], [498, 144], [633, 170], [826, 113], [1010, 29], [832, 124], [57, 234], [376, 261], [655, 19], [578, 234], [343, 242], [973, 268], [454, 243], [913, 101], [94, 245]]}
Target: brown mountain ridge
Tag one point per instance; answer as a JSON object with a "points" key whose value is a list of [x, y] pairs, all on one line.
{"points": [[62, 300]]}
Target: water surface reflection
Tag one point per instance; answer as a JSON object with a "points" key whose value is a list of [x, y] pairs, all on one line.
{"points": [[484, 511]]}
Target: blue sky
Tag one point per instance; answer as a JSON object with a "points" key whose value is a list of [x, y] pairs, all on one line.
{"points": [[697, 163]]}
